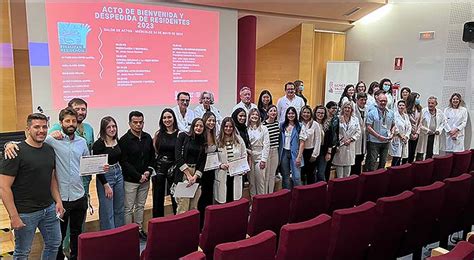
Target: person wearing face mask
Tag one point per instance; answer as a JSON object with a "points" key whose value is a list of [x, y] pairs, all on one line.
{"points": [[299, 90], [190, 157], [184, 116], [206, 104], [386, 86], [289, 100], [456, 120], [432, 124], [245, 100], [414, 114]]}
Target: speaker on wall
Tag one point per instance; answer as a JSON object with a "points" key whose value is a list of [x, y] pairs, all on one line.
{"points": [[468, 34]]}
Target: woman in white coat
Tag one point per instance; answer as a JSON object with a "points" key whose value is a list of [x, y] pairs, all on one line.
{"points": [[456, 120], [432, 125], [312, 144], [259, 150], [349, 132], [230, 146], [399, 143]]}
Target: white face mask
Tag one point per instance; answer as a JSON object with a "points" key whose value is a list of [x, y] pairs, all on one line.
{"points": [[301, 88], [386, 88]]}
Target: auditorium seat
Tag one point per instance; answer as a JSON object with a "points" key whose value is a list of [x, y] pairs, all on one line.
{"points": [[372, 185], [456, 199], [269, 212], [224, 223], [305, 240], [442, 167], [471, 167], [393, 217], [118, 243], [461, 163], [352, 231], [422, 172], [342, 192], [197, 255], [400, 179], [308, 201], [172, 237], [462, 251], [428, 201], [468, 215], [259, 247]]}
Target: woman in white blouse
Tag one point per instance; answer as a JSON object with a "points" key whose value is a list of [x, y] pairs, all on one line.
{"points": [[230, 146], [349, 132], [399, 144], [260, 148], [312, 145], [456, 120]]}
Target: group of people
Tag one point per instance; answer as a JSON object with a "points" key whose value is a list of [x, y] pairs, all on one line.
{"points": [[290, 139]]}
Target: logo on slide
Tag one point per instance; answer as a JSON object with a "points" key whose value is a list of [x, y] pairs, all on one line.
{"points": [[73, 37]]}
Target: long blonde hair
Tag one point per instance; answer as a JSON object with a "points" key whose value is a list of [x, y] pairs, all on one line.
{"points": [[221, 137]]}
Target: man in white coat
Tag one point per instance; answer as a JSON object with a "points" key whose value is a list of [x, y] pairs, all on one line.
{"points": [[245, 100], [184, 116], [432, 124], [289, 100]]}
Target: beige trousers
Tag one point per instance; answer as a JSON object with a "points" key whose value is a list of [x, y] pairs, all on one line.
{"points": [[187, 204]]}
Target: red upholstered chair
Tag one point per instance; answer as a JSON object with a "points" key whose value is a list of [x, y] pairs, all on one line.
{"points": [[352, 231], [118, 243], [471, 167], [462, 251], [224, 223], [197, 255], [394, 215], [422, 172], [400, 179], [261, 246], [172, 237], [308, 201], [372, 185], [456, 200], [442, 167], [468, 214], [461, 163], [428, 202], [269, 212], [342, 192], [305, 240]]}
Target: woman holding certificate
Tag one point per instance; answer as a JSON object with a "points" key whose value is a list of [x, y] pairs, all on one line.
{"points": [[110, 189], [230, 148], [190, 156], [164, 143], [207, 179], [260, 147], [293, 135]]}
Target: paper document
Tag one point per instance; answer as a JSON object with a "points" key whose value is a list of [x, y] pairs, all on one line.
{"points": [[182, 191], [212, 162], [239, 166], [93, 164]]}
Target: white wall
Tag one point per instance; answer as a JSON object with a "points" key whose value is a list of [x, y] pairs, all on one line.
{"points": [[41, 83], [436, 67]]}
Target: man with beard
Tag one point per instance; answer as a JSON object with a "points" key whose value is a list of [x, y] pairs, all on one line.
{"points": [[30, 208], [69, 148]]}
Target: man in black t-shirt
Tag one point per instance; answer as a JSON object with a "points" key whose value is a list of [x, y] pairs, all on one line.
{"points": [[28, 188]]}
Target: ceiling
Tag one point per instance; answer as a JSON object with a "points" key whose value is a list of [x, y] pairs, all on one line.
{"points": [[274, 18]]}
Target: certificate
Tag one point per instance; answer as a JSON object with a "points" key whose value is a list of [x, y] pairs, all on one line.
{"points": [[93, 164], [212, 162], [183, 191], [239, 166]]}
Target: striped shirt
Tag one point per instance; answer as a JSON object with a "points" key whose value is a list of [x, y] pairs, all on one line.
{"points": [[229, 147], [274, 132]]}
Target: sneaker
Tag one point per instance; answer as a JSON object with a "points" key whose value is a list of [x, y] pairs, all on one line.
{"points": [[142, 235]]}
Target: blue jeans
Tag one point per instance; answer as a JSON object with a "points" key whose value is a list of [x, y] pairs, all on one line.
{"points": [[111, 211], [319, 172], [48, 225], [287, 165]]}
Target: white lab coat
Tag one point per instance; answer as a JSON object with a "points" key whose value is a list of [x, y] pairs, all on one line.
{"points": [[361, 143], [345, 155], [199, 111], [220, 187], [424, 128], [402, 128], [184, 123], [259, 143], [455, 118]]}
